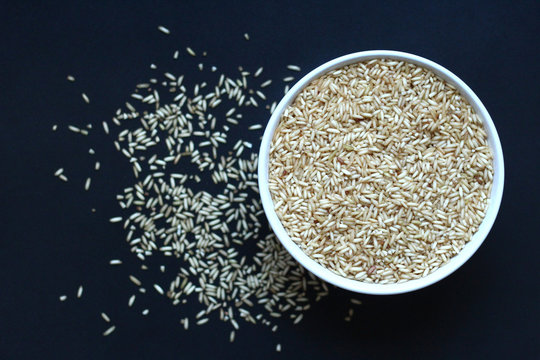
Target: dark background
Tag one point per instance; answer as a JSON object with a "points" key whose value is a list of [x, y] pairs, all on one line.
{"points": [[51, 242]]}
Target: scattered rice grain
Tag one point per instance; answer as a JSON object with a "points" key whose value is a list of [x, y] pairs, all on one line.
{"points": [[164, 30]]}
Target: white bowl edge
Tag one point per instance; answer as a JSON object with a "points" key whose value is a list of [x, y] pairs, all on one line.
{"points": [[354, 285]]}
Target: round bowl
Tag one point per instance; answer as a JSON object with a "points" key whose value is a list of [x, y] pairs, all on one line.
{"points": [[354, 285]]}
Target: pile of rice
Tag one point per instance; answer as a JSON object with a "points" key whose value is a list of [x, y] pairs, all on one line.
{"points": [[380, 171]]}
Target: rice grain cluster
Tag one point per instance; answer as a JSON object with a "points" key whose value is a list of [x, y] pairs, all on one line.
{"points": [[195, 198], [380, 171]]}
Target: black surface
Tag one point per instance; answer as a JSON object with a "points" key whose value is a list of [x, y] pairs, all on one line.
{"points": [[51, 242]]}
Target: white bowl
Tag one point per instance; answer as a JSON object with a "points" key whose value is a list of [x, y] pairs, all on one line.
{"points": [[354, 285]]}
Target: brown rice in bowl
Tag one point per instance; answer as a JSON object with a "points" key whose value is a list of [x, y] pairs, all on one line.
{"points": [[380, 171]]}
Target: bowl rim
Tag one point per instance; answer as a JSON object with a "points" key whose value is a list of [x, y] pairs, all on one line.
{"points": [[355, 285]]}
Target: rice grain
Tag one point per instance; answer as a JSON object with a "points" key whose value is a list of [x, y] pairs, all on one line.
{"points": [[105, 317], [109, 331], [164, 30]]}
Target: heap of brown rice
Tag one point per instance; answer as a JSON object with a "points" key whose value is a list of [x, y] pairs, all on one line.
{"points": [[194, 197], [192, 206], [380, 171]]}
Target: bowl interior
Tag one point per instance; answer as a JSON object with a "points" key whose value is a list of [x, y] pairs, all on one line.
{"points": [[354, 285]]}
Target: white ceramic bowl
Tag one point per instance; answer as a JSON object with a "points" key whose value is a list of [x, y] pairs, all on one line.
{"points": [[359, 286]]}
